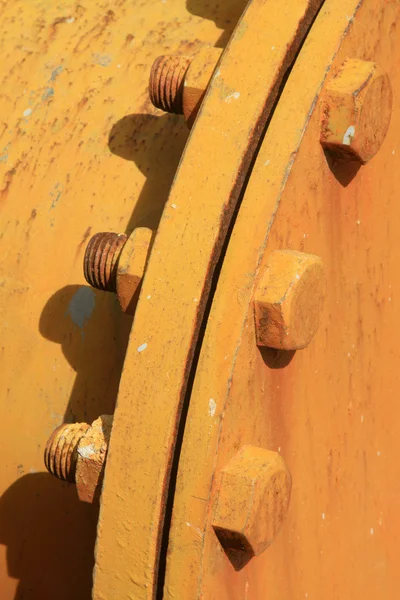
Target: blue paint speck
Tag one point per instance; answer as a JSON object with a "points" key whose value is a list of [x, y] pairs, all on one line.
{"points": [[81, 306], [48, 93], [142, 347], [56, 73]]}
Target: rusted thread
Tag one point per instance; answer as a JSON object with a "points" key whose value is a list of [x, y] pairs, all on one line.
{"points": [[101, 260], [61, 450], [167, 79]]}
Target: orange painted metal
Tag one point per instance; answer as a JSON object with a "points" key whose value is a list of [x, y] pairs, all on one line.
{"points": [[176, 289], [331, 409]]}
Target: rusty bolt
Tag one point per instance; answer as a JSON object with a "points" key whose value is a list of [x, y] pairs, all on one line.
{"points": [[116, 263], [356, 110], [252, 500], [60, 454], [166, 83], [178, 84], [101, 260], [77, 453], [289, 300]]}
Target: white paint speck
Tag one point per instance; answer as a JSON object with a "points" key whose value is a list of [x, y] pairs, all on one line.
{"points": [[358, 222], [70, 20], [297, 276], [27, 112], [323, 516], [233, 96], [195, 300], [87, 451], [304, 235], [349, 135], [371, 531], [217, 73], [272, 47], [212, 406], [174, 206], [148, 297], [142, 347], [267, 163]]}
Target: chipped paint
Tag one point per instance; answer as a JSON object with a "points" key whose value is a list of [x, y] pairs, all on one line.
{"points": [[233, 96], [349, 135], [212, 406], [142, 347]]}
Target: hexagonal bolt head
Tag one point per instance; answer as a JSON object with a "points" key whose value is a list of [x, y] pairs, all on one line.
{"points": [[356, 110], [252, 502], [91, 458], [289, 300]]}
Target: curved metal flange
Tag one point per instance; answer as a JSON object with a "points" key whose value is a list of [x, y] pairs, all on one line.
{"points": [[241, 396], [176, 288]]}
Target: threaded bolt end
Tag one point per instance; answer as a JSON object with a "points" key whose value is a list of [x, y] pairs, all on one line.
{"points": [[101, 260], [167, 79], [61, 450]]}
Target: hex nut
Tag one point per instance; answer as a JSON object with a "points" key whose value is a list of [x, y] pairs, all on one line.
{"points": [[252, 501], [131, 268], [356, 111], [289, 300], [92, 452]]}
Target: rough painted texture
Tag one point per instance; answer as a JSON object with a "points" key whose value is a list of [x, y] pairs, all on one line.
{"points": [[331, 410], [81, 150]]}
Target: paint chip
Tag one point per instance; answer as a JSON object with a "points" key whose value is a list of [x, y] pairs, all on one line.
{"points": [[233, 96], [87, 451], [212, 406], [27, 112], [349, 135], [174, 206], [148, 297], [142, 347]]}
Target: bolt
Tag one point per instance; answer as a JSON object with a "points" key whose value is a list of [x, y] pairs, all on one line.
{"points": [[77, 453], [289, 300], [252, 501], [356, 111], [101, 260], [178, 83], [166, 83], [61, 450]]}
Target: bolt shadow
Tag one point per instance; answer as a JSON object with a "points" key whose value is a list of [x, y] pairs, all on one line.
{"points": [[93, 334], [224, 14], [344, 170], [155, 144], [50, 539], [276, 359]]}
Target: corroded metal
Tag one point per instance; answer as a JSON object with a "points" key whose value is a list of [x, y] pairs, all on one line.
{"points": [[101, 260], [60, 454]]}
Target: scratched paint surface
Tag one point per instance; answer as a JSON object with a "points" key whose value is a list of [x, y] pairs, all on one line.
{"points": [[81, 151], [332, 409]]}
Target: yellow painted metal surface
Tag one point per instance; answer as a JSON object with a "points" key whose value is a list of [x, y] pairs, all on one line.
{"points": [[331, 410], [81, 150]]}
